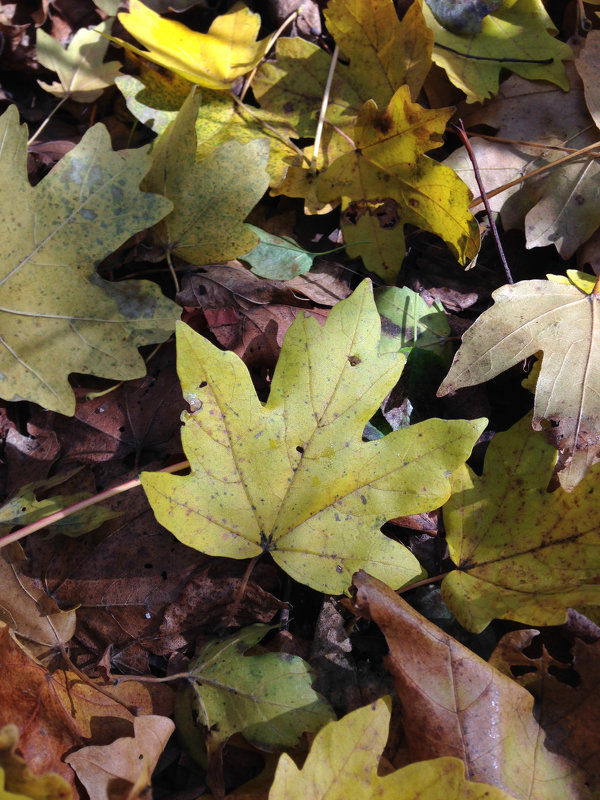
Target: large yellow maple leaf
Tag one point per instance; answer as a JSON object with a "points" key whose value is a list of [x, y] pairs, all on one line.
{"points": [[213, 60]]}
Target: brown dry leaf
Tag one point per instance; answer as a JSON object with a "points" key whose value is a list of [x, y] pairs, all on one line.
{"points": [[209, 598], [122, 579], [126, 765], [37, 623], [56, 713], [457, 705], [136, 416], [569, 714], [588, 63]]}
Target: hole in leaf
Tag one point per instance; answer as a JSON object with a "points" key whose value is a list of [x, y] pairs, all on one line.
{"points": [[354, 361]]}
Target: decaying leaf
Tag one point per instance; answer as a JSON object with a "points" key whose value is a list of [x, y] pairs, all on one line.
{"points": [[266, 697], [455, 704], [518, 36], [521, 553], [17, 781], [560, 207], [212, 197], [563, 321], [213, 60], [569, 714], [386, 182], [127, 764], [343, 762], [58, 316], [292, 478]]}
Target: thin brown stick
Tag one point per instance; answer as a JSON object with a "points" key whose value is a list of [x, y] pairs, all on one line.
{"points": [[51, 519], [424, 582], [460, 130]]}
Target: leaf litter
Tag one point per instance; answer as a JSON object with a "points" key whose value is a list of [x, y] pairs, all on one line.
{"points": [[89, 613]]}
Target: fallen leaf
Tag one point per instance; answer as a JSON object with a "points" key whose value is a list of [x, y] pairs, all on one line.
{"points": [[212, 197], [213, 60], [408, 322], [266, 697], [587, 62], [277, 257], [125, 765], [59, 316], [560, 207], [521, 553], [384, 53], [292, 478], [81, 73], [343, 762], [385, 183], [455, 704], [559, 319], [518, 36], [569, 714], [17, 781], [56, 713], [35, 620]]}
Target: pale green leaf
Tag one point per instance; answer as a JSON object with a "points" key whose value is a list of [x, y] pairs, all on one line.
{"points": [[562, 321], [58, 315], [293, 478], [212, 197], [81, 74], [266, 697]]}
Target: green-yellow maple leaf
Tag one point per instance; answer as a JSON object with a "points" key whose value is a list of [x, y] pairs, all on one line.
{"points": [[211, 197], [518, 36], [386, 182], [292, 477], [267, 696], [82, 75], [213, 60], [57, 315], [155, 99], [521, 553], [344, 759], [561, 319]]}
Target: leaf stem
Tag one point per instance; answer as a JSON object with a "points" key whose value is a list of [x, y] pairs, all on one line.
{"points": [[323, 111], [47, 120], [460, 130], [424, 582], [51, 519]]}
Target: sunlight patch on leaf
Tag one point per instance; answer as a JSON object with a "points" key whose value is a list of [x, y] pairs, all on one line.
{"points": [[293, 477]]}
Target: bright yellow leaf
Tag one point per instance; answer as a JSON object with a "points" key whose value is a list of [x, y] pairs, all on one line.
{"points": [[386, 182], [213, 60], [344, 759], [521, 553], [293, 478]]}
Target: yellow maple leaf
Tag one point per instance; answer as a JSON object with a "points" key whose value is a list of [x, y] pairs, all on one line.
{"points": [[212, 60]]}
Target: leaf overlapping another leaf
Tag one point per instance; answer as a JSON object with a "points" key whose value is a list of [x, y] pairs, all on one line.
{"points": [[562, 320], [213, 60], [340, 766], [293, 478], [57, 315], [521, 553]]}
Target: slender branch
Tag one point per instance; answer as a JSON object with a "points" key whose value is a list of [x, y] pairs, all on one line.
{"points": [[51, 519], [323, 111], [460, 130], [424, 582], [47, 120], [534, 173], [525, 143]]}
